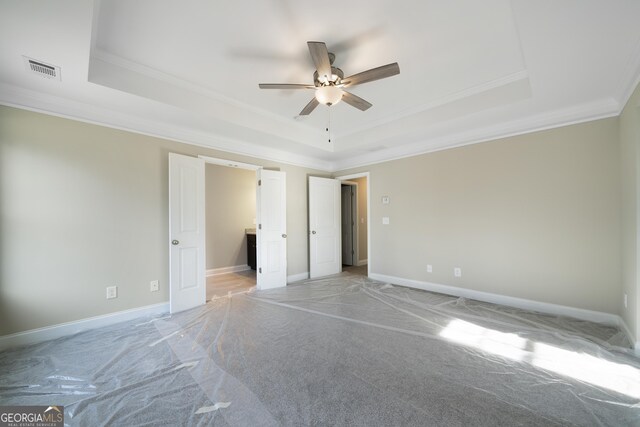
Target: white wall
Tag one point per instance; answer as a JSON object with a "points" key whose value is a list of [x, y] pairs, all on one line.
{"points": [[534, 216], [230, 209], [83, 207]]}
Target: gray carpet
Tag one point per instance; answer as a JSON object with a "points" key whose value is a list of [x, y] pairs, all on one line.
{"points": [[339, 351]]}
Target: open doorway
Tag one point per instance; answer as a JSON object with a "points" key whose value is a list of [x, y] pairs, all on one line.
{"points": [[354, 215], [187, 228], [230, 210]]}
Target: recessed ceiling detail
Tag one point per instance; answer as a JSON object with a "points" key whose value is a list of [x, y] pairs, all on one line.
{"points": [[188, 70]]}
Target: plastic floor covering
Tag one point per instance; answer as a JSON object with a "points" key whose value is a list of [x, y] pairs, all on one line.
{"points": [[340, 351]]}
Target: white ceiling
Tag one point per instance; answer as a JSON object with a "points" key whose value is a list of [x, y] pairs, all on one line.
{"points": [[470, 71]]}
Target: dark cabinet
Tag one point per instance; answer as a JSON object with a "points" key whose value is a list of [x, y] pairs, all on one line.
{"points": [[251, 251]]}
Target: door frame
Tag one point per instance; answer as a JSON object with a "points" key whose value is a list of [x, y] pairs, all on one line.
{"points": [[235, 165], [226, 163], [368, 176], [355, 228]]}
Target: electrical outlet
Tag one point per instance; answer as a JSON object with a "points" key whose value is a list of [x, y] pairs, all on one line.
{"points": [[429, 268], [155, 287], [385, 220], [625, 300], [112, 292], [457, 272]]}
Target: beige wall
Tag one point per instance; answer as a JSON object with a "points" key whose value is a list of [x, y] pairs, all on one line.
{"points": [[630, 169], [230, 209], [362, 217], [83, 207], [534, 216]]}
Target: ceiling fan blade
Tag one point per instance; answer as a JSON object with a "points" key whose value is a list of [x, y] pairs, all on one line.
{"points": [[285, 86], [372, 74], [356, 101], [309, 107], [320, 56]]}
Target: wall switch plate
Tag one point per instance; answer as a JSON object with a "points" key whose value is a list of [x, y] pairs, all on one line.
{"points": [[112, 292], [429, 268], [625, 300], [155, 287], [457, 272], [385, 220], [385, 200]]}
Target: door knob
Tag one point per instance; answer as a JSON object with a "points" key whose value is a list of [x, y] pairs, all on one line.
{"points": [[313, 232], [284, 236], [174, 242]]}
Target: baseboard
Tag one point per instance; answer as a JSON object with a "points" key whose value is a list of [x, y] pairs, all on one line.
{"points": [[362, 262], [625, 328], [525, 304], [227, 270], [69, 328], [298, 277]]}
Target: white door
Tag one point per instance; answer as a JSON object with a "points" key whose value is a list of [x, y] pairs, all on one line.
{"points": [[348, 248], [271, 216], [187, 283], [325, 251]]}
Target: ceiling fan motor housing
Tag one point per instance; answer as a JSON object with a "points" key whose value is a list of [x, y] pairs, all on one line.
{"points": [[337, 72]]}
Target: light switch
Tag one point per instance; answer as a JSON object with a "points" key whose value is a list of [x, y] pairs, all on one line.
{"points": [[385, 220], [385, 200]]}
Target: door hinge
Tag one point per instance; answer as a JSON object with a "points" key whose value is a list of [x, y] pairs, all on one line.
{"points": [[353, 252], [259, 182], [260, 270], [259, 226]]}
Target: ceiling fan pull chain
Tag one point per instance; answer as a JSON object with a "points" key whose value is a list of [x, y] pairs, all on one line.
{"points": [[329, 124]]}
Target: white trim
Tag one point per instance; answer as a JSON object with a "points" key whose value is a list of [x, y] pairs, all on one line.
{"points": [[362, 262], [525, 304], [625, 328], [297, 277], [47, 333], [576, 114], [227, 270], [229, 163], [40, 102], [98, 55], [447, 99]]}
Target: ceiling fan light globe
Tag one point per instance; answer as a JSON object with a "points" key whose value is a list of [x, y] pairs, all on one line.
{"points": [[329, 95]]}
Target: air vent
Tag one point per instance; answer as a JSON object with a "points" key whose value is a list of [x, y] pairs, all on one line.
{"points": [[42, 68]]}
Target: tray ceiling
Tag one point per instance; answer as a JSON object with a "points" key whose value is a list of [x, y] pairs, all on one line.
{"points": [[190, 70]]}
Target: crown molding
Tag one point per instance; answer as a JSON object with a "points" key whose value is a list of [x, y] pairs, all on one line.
{"points": [[573, 115], [462, 94], [154, 73], [630, 78], [62, 107], [13, 96]]}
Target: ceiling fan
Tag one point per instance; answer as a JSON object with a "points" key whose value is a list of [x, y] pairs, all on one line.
{"points": [[329, 82]]}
